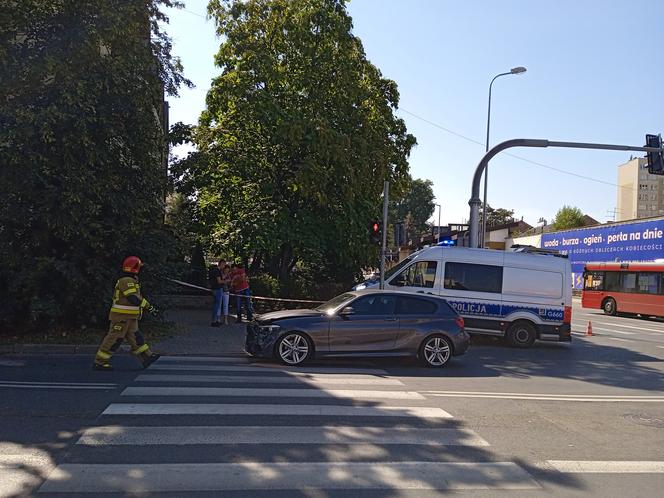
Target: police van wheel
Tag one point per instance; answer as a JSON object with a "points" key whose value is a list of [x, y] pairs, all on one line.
{"points": [[521, 334], [609, 307]]}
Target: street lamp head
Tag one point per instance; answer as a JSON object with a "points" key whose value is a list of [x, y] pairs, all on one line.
{"points": [[518, 70]]}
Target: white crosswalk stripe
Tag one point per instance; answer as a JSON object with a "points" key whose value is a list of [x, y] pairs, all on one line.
{"points": [[280, 393], [344, 445], [309, 379]]}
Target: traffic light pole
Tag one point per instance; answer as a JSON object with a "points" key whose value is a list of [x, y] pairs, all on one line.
{"points": [[383, 247], [475, 200]]}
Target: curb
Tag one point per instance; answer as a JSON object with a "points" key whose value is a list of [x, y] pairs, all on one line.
{"points": [[47, 348]]}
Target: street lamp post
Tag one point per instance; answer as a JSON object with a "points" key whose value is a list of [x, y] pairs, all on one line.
{"points": [[514, 70], [439, 208]]}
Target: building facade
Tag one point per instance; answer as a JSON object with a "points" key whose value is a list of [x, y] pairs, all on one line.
{"points": [[640, 194]]}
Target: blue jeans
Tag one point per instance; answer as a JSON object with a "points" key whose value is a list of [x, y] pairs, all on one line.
{"points": [[216, 306], [243, 295]]}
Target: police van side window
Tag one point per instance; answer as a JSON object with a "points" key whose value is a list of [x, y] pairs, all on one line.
{"points": [[474, 278], [421, 274]]}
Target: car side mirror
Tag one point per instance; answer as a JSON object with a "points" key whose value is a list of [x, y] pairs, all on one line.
{"points": [[346, 312]]}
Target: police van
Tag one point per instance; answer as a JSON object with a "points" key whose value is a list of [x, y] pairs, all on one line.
{"points": [[521, 295]]}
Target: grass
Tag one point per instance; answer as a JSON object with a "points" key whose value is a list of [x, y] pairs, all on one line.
{"points": [[153, 331]]}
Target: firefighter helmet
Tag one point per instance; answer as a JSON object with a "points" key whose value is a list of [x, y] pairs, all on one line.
{"points": [[132, 264]]}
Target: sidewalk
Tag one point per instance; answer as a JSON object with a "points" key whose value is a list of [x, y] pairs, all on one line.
{"points": [[196, 337]]}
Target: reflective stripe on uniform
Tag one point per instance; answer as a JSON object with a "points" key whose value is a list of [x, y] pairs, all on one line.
{"points": [[103, 355], [142, 349], [124, 307], [132, 290], [115, 309], [144, 303]]}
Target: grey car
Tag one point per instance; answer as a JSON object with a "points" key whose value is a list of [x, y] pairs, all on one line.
{"points": [[362, 323]]}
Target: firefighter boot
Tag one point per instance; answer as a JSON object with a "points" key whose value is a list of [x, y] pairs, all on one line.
{"points": [[102, 366], [149, 359]]}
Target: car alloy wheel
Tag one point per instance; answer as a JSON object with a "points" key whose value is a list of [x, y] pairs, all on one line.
{"points": [[293, 349], [436, 351]]}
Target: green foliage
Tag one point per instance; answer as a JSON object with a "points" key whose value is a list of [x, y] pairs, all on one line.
{"points": [[415, 206], [81, 154], [298, 136], [568, 217], [499, 216], [265, 285]]}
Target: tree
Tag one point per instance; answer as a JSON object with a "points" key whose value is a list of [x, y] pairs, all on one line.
{"points": [[416, 201], [499, 216], [82, 177], [297, 138], [568, 217]]}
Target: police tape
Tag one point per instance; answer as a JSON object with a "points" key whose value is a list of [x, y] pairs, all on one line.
{"points": [[187, 284]]}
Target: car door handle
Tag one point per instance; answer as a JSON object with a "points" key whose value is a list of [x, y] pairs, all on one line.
{"points": [[394, 319]]}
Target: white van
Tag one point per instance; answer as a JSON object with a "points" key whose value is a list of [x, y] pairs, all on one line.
{"points": [[522, 296]]}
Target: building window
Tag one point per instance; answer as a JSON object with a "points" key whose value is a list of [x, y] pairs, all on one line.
{"points": [[643, 186]]}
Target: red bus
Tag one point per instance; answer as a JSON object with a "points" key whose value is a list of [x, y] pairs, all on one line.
{"points": [[633, 288]]}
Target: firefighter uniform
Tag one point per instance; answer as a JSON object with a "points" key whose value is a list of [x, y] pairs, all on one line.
{"points": [[127, 309]]}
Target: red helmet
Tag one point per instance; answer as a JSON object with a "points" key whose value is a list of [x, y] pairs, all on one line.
{"points": [[132, 264]]}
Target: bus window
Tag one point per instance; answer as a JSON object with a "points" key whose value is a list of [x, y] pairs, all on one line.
{"points": [[594, 280], [612, 281], [648, 283], [628, 283]]}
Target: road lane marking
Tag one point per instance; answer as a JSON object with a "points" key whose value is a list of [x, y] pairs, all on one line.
{"points": [[203, 359], [605, 330], [619, 339], [55, 385], [597, 398], [192, 477], [307, 379], [661, 331], [607, 467], [263, 369], [275, 410], [278, 393], [121, 435]]}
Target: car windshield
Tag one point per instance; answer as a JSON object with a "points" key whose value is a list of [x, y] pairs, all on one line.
{"points": [[335, 302]]}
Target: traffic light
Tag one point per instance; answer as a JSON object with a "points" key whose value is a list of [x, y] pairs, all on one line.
{"points": [[375, 232], [655, 159]]}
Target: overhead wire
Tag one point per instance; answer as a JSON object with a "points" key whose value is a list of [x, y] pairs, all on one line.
{"points": [[525, 159]]}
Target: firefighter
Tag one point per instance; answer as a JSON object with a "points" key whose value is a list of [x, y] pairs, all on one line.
{"points": [[127, 309]]}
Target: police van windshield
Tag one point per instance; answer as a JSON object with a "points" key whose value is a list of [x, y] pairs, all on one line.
{"points": [[396, 268]]}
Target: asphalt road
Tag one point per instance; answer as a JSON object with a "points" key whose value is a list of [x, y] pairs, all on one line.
{"points": [[579, 419]]}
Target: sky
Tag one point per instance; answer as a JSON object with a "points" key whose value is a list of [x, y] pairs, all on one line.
{"points": [[593, 75]]}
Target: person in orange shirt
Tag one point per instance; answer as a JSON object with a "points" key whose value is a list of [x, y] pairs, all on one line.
{"points": [[240, 287]]}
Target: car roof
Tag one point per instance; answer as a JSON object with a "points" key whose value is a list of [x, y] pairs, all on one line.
{"points": [[398, 292]]}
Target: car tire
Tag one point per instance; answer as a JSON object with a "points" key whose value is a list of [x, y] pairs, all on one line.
{"points": [[293, 348], [521, 334], [435, 351], [609, 306]]}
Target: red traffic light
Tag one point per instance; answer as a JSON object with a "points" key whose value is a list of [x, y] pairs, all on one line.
{"points": [[375, 228]]}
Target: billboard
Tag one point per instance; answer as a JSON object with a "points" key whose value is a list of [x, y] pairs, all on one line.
{"points": [[627, 242]]}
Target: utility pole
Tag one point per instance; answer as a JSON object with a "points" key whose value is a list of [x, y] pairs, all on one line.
{"points": [[383, 249], [475, 200]]}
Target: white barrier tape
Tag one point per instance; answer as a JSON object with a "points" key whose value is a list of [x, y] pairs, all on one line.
{"points": [[186, 284]]}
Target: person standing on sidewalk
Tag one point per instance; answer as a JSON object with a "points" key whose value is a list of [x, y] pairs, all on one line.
{"points": [[126, 310], [226, 289], [216, 285], [240, 287]]}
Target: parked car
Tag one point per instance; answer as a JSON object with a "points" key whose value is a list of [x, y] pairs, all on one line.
{"points": [[362, 323]]}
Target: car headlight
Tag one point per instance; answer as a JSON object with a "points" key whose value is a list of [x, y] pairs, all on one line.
{"points": [[359, 287], [268, 329]]}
